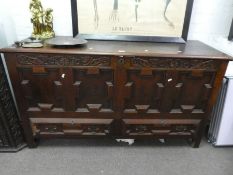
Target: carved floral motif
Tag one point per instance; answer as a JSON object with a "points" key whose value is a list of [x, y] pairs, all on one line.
{"points": [[173, 63], [63, 60]]}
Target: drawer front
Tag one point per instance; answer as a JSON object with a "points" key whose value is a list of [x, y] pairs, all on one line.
{"points": [[72, 127], [157, 127]]}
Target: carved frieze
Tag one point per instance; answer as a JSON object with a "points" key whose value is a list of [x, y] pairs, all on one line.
{"points": [[171, 63], [63, 60], [10, 131]]}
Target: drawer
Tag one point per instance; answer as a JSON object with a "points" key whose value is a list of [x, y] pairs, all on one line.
{"points": [[160, 127], [68, 126]]}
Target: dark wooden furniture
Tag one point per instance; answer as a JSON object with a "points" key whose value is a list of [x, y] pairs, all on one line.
{"points": [[11, 135], [116, 89]]}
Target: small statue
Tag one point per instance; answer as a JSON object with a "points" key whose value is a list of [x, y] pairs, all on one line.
{"points": [[48, 23], [36, 10], [42, 20]]}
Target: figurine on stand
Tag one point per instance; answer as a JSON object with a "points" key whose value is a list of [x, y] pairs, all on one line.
{"points": [[37, 13], [42, 20], [48, 23]]}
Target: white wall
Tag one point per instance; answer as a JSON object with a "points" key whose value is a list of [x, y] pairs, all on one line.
{"points": [[210, 20]]}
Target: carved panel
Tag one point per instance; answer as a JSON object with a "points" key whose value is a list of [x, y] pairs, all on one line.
{"points": [[63, 60], [195, 92], [94, 92], [171, 63], [11, 137], [143, 92], [42, 92], [165, 91]]}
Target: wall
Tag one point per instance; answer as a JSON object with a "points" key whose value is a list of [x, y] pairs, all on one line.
{"points": [[210, 20]]}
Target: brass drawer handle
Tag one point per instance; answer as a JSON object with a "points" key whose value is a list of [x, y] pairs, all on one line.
{"points": [[51, 129], [141, 129], [181, 128], [92, 129]]}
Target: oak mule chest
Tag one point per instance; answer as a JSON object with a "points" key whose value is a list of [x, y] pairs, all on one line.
{"points": [[116, 89]]}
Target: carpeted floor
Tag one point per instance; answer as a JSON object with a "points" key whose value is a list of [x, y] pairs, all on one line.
{"points": [[107, 157]]}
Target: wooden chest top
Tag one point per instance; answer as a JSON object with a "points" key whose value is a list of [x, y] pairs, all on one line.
{"points": [[192, 49]]}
